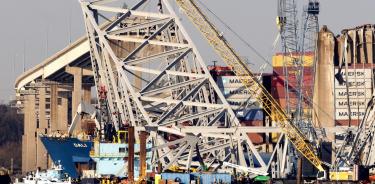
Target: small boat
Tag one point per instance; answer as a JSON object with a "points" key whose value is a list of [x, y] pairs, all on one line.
{"points": [[55, 175]]}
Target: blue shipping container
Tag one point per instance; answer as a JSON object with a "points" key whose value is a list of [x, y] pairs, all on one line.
{"points": [[185, 178], [214, 178], [254, 115]]}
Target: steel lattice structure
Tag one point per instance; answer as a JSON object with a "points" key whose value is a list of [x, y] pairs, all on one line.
{"points": [[308, 46], [156, 80], [257, 90], [358, 147], [296, 45], [288, 25]]}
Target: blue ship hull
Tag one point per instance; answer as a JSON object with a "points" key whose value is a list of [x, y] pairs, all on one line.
{"points": [[68, 152]]}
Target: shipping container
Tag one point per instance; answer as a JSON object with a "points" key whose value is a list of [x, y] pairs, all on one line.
{"points": [[213, 177], [182, 178], [359, 91], [292, 101], [236, 93], [343, 103], [279, 59], [354, 122], [353, 93], [279, 71], [219, 68], [187, 178], [252, 123], [256, 138], [230, 81], [252, 114], [292, 81], [343, 114], [360, 66], [279, 92], [354, 83], [241, 103], [356, 73]]}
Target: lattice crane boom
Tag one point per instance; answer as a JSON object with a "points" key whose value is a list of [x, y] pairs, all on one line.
{"points": [[232, 59]]}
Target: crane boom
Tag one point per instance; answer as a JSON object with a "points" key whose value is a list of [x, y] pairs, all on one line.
{"points": [[232, 59]]}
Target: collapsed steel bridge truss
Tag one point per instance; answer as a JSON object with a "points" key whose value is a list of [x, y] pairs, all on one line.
{"points": [[156, 80]]}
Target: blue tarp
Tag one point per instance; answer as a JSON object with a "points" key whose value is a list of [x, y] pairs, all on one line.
{"points": [[67, 152]]}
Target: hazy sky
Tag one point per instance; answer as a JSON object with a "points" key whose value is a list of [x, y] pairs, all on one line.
{"points": [[35, 29]]}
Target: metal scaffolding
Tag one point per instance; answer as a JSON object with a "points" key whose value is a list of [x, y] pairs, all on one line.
{"points": [[156, 80]]}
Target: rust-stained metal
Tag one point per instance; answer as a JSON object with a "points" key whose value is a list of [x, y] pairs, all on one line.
{"points": [[360, 43], [299, 170], [131, 154], [142, 155]]}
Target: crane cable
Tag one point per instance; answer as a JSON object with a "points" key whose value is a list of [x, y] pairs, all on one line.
{"points": [[253, 48], [235, 33]]}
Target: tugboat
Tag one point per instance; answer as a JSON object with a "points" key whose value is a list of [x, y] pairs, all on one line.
{"points": [[50, 176]]}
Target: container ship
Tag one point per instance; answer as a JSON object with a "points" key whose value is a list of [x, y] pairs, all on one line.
{"points": [[89, 160], [86, 159], [161, 113]]}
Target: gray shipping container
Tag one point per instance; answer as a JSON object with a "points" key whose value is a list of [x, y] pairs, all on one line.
{"points": [[205, 178]]}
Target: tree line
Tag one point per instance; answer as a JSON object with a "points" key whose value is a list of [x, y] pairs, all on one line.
{"points": [[11, 130]]}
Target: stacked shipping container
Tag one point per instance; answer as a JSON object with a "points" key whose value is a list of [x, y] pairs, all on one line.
{"points": [[354, 65], [359, 72], [351, 100], [248, 110], [279, 80]]}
